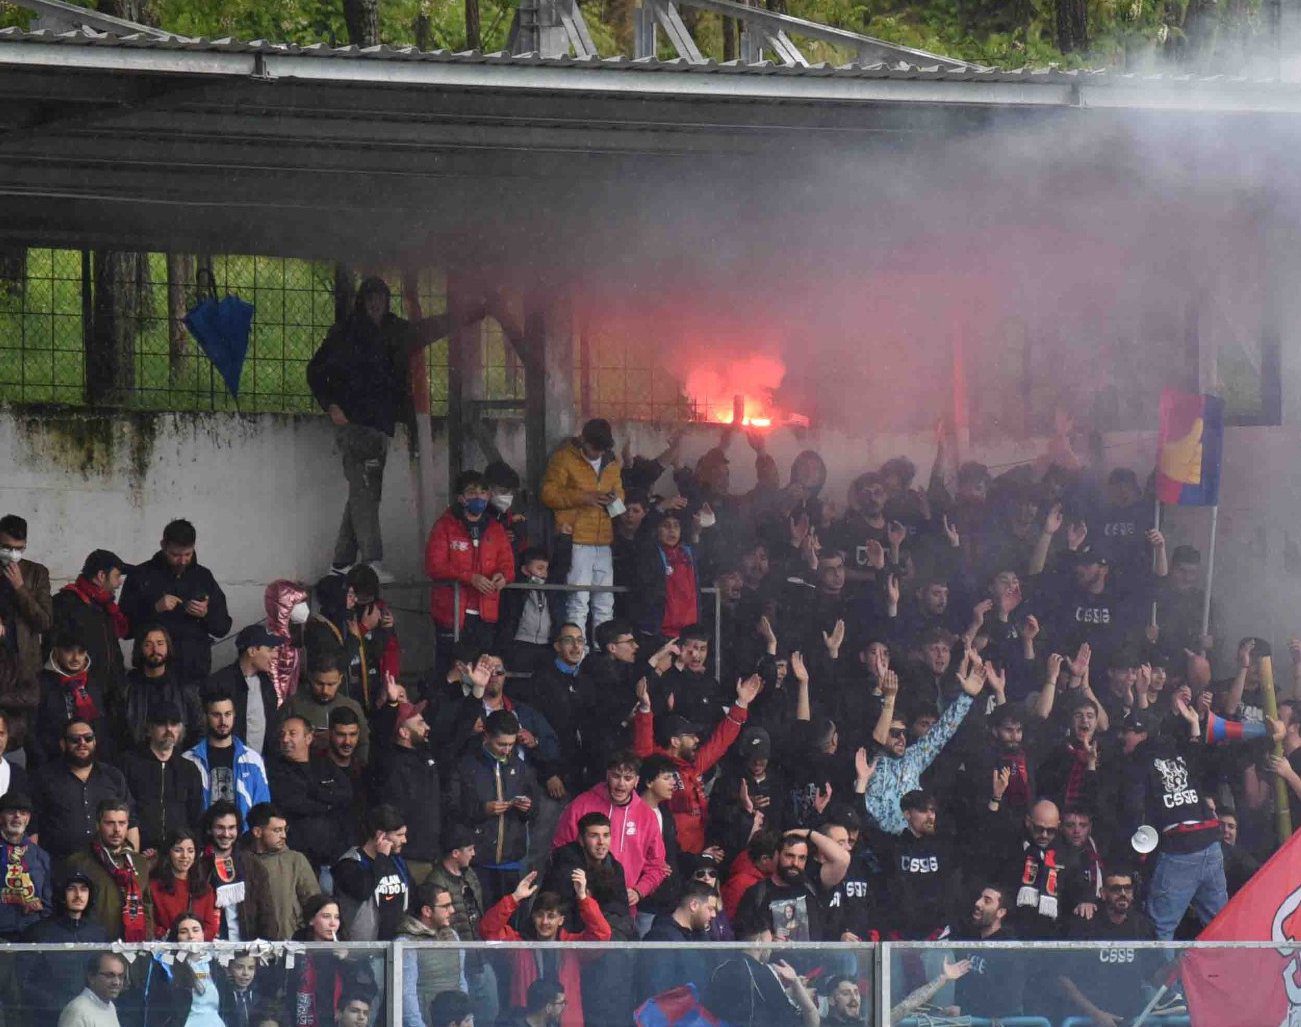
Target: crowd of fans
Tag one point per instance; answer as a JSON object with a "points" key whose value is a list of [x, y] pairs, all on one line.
{"points": [[930, 712]]}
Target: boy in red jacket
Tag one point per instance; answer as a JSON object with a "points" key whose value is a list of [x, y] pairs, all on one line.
{"points": [[468, 546], [690, 805], [546, 920]]}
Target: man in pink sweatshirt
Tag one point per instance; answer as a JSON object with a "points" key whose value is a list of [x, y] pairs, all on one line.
{"points": [[636, 840]]}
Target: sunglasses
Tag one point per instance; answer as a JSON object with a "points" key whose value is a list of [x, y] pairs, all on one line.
{"points": [[79, 739], [898, 732]]}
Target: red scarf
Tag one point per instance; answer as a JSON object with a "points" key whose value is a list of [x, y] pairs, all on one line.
{"points": [[1075, 776], [305, 1012], [83, 703], [92, 595], [1018, 785], [133, 902]]}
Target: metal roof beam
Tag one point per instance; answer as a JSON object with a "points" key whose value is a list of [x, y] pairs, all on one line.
{"points": [[62, 17]]}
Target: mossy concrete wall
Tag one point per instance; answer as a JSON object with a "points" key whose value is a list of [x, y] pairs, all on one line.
{"points": [[266, 494], [264, 491]]}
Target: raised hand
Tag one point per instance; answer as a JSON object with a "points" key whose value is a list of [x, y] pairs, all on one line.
{"points": [[1080, 665], [1055, 661], [951, 533], [480, 675], [748, 689], [743, 797], [1030, 628], [835, 640], [1053, 520], [643, 694], [798, 669], [895, 533], [892, 591], [975, 679], [1001, 779], [579, 878], [978, 613], [875, 554], [1245, 650], [1076, 533], [766, 631], [527, 887], [822, 799], [954, 971], [889, 684], [997, 680]]}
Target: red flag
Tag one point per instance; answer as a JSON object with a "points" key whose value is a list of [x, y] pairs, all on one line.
{"points": [[1252, 987]]}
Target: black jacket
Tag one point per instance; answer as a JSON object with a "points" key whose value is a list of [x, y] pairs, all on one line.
{"points": [[231, 679], [362, 367], [142, 694], [410, 781], [65, 806], [57, 707], [168, 793], [316, 799], [562, 700], [50, 980], [481, 779], [95, 629], [606, 884], [191, 637]]}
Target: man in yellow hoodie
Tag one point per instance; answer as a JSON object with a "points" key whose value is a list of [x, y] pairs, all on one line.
{"points": [[584, 490]]}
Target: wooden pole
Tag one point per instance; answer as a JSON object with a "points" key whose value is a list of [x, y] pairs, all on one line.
{"points": [[1210, 573], [1282, 794]]}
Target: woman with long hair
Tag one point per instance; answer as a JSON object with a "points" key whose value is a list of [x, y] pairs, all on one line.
{"points": [[182, 992], [179, 884], [320, 981]]}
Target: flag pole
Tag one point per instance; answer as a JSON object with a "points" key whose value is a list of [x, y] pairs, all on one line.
{"points": [[1282, 794], [1210, 572], [1156, 523]]}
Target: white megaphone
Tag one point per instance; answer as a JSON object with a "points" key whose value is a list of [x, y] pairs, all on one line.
{"points": [[1145, 839]]}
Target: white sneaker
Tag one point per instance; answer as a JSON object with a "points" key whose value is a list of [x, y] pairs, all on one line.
{"points": [[385, 577]]}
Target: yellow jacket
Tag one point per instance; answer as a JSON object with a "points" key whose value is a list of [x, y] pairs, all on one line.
{"points": [[568, 476]]}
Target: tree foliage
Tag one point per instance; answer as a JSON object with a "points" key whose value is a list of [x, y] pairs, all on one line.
{"points": [[1199, 36]]}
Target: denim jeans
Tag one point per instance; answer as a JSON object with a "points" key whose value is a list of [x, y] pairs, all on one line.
{"points": [[1183, 879], [591, 565]]}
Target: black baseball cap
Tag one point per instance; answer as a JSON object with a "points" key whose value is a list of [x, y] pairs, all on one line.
{"points": [[457, 836], [15, 800], [257, 634], [1137, 721], [1086, 555], [675, 726], [164, 713], [756, 744], [597, 432]]}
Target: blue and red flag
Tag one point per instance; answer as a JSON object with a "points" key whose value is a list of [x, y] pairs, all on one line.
{"points": [[1189, 447], [677, 1007]]}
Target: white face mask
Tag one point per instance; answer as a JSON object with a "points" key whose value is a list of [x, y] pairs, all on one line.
{"points": [[8, 556], [707, 519], [503, 501], [298, 613]]}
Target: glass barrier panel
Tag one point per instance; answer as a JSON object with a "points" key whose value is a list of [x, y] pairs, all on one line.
{"points": [[1117, 983], [199, 985], [665, 984]]}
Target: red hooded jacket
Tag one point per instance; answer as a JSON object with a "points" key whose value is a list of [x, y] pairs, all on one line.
{"points": [[452, 555]]}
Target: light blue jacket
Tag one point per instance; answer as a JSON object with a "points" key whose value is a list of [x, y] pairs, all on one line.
{"points": [[896, 776], [250, 776]]}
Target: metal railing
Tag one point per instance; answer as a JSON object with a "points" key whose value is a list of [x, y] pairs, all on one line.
{"points": [[616, 589]]}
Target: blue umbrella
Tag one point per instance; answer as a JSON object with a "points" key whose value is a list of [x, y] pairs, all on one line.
{"points": [[221, 328]]}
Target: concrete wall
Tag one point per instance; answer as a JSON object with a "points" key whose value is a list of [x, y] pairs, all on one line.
{"points": [[265, 493]]}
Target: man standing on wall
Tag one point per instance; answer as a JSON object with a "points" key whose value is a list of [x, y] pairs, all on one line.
{"points": [[584, 490], [359, 377]]}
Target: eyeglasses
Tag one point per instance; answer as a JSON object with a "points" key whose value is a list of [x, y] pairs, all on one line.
{"points": [[1042, 829], [624, 641], [449, 904], [1119, 888], [572, 640], [898, 732]]}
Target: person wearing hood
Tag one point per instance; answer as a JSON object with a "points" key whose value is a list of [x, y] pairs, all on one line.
{"points": [[71, 686], [427, 971], [359, 376], [287, 610], [467, 546], [50, 980], [86, 609], [636, 839], [173, 588]]}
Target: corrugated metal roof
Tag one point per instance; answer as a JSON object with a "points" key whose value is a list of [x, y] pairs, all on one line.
{"points": [[402, 54]]}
